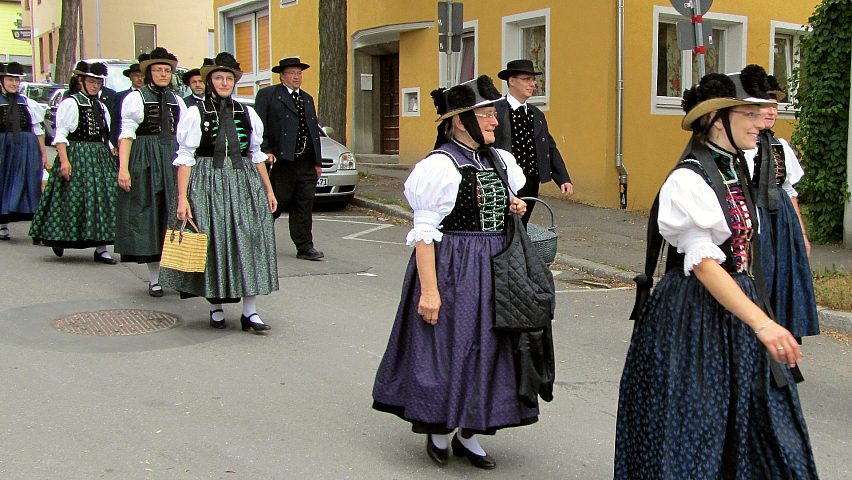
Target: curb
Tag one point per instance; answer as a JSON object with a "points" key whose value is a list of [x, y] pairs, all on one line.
{"points": [[836, 320], [588, 266]]}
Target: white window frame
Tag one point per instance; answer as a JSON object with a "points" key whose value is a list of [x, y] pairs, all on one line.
{"points": [[736, 33], [471, 27], [795, 30], [513, 26], [234, 13]]}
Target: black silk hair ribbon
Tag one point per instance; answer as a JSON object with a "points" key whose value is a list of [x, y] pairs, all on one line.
{"points": [[227, 140]]}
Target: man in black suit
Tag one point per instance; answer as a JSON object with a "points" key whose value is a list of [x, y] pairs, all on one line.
{"points": [[523, 131], [192, 79], [291, 141], [137, 80]]}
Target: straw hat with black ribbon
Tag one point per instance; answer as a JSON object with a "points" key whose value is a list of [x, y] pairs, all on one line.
{"points": [[223, 61], [158, 55], [94, 70]]}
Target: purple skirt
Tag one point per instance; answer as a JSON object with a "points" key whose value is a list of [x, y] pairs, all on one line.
{"points": [[458, 373]]}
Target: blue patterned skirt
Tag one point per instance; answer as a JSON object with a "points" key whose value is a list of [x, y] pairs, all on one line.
{"points": [[695, 400], [20, 176], [788, 273], [458, 373]]}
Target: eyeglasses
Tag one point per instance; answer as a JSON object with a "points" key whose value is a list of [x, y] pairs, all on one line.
{"points": [[161, 70], [486, 115], [753, 116]]}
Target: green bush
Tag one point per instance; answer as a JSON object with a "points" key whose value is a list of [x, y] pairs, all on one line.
{"points": [[822, 99]]}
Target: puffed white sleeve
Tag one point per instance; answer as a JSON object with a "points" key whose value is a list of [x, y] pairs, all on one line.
{"points": [[256, 139], [36, 112], [188, 137], [794, 169], [691, 219], [67, 116], [431, 190], [132, 114], [749, 158], [514, 174]]}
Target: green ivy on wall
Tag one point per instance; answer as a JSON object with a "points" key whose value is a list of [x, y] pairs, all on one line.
{"points": [[822, 84]]}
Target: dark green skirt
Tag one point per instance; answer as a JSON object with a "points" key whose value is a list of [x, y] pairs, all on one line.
{"points": [[230, 206], [80, 212], [143, 212]]}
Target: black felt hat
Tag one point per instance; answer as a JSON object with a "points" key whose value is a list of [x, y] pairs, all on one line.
{"points": [[516, 67], [157, 55], [189, 74], [133, 68], [11, 69], [94, 69], [290, 62], [223, 61], [476, 93]]}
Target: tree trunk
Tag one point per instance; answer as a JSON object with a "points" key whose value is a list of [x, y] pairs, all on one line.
{"points": [[66, 49], [333, 53]]}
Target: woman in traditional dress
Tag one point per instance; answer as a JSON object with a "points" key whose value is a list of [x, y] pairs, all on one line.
{"points": [[783, 243], [146, 176], [77, 208], [22, 152], [444, 367], [701, 394], [223, 185]]}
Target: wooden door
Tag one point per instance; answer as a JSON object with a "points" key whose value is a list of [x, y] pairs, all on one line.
{"points": [[389, 91]]}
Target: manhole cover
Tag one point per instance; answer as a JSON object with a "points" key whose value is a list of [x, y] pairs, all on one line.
{"points": [[116, 322]]}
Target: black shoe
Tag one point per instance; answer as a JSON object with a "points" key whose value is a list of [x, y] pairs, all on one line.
{"points": [[4, 234], [101, 258], [484, 462], [155, 290], [58, 251], [248, 324], [217, 324], [311, 254], [438, 455]]}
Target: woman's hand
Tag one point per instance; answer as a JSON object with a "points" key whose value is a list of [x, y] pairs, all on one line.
{"points": [[273, 203], [429, 306], [44, 162], [782, 347], [124, 179], [518, 206], [65, 169], [183, 210]]}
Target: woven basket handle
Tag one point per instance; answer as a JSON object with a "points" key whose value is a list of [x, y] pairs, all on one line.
{"points": [[538, 200], [182, 228]]}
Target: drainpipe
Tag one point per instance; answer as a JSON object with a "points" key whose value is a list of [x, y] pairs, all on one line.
{"points": [[619, 113], [98, 28]]}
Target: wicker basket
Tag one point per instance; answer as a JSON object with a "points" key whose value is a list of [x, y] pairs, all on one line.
{"points": [[184, 251], [543, 239]]}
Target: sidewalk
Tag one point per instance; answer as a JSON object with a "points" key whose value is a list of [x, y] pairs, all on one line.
{"points": [[600, 241]]}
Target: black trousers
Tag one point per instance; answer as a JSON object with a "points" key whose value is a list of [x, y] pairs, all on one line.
{"points": [[530, 189], [295, 185]]}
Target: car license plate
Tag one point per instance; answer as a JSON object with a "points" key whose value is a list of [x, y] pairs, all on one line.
{"points": [[322, 182]]}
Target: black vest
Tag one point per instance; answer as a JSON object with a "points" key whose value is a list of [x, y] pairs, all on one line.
{"points": [[210, 127], [482, 199], [151, 101], [23, 114], [91, 124]]}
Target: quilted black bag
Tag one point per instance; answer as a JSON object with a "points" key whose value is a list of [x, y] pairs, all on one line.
{"points": [[524, 292]]}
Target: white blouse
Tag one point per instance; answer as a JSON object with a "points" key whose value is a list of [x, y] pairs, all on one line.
{"points": [[791, 162], [189, 136], [691, 219], [36, 112], [133, 113], [431, 190], [67, 116]]}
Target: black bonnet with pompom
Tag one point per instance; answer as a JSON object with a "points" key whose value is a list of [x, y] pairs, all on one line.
{"points": [[755, 82], [476, 93], [714, 92]]}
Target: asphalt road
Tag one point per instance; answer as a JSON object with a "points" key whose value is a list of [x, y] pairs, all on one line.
{"points": [[196, 403]]}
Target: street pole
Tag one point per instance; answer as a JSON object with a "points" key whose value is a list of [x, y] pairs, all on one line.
{"points": [[699, 37], [450, 34], [847, 215]]}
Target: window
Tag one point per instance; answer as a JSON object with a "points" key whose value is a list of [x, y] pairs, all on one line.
{"points": [[463, 62], [245, 34], [287, 3], [674, 70], [527, 36], [50, 51], [144, 38], [785, 56]]}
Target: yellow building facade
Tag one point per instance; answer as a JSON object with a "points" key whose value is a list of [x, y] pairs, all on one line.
{"points": [[394, 63], [120, 29]]}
